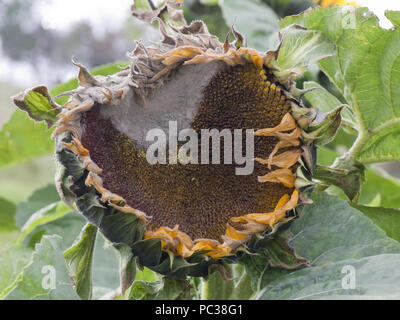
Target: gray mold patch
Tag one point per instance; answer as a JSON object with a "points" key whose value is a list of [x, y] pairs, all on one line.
{"points": [[177, 100]]}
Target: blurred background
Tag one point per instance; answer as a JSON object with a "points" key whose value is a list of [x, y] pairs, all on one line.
{"points": [[38, 38]]}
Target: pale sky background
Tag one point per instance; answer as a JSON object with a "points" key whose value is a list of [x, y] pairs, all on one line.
{"points": [[379, 7], [59, 14], [105, 15]]}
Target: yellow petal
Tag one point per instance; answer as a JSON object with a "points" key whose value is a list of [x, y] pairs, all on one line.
{"points": [[282, 201], [284, 176], [217, 250], [261, 218], [287, 123], [283, 160], [76, 147], [258, 61], [231, 232]]}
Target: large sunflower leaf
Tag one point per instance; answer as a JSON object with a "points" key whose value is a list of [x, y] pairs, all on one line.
{"points": [[341, 243], [7, 212], [79, 258], [12, 260], [380, 189], [320, 98], [45, 277], [127, 267], [41, 208], [21, 139], [301, 48], [366, 71], [215, 287], [37, 200], [105, 268], [49, 213], [44, 214], [13, 179], [387, 219]]}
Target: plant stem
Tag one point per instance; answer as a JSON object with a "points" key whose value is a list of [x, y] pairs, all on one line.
{"points": [[356, 148], [365, 135], [112, 295], [205, 290]]}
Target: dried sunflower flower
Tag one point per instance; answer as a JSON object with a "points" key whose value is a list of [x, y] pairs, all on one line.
{"points": [[179, 217]]}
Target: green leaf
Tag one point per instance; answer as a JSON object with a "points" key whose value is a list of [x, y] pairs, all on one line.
{"points": [[127, 266], [281, 255], [142, 5], [12, 260], [39, 105], [39, 199], [210, 14], [388, 219], [287, 7], [22, 139], [57, 219], [45, 215], [394, 17], [242, 289], [301, 47], [45, 277], [12, 257], [164, 289], [79, 258], [105, 268], [380, 190], [262, 32], [366, 71], [326, 156], [348, 178], [68, 227], [334, 236], [380, 183], [7, 212], [39, 172], [146, 275], [325, 131], [343, 141], [209, 2], [322, 99], [215, 287]]}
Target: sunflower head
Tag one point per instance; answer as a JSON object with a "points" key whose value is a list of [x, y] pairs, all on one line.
{"points": [[194, 154]]}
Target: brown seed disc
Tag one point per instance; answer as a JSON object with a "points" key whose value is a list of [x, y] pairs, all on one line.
{"points": [[200, 198]]}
